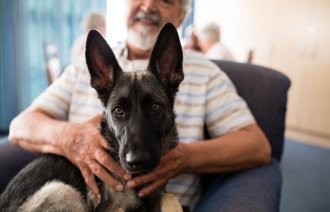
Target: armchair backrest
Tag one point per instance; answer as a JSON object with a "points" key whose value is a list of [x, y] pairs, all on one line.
{"points": [[265, 91]]}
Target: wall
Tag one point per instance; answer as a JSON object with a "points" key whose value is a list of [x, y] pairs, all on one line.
{"points": [[292, 36]]}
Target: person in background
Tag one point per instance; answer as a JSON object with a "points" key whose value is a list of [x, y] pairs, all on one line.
{"points": [[92, 20], [210, 43], [191, 41], [63, 120]]}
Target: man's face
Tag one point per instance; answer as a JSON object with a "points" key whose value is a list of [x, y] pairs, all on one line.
{"points": [[144, 19]]}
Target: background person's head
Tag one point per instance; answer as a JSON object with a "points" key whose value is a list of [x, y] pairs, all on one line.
{"points": [[191, 40], [94, 20], [144, 19], [208, 35]]}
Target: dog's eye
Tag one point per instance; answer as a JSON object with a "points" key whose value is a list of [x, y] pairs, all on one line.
{"points": [[155, 107], [119, 111]]}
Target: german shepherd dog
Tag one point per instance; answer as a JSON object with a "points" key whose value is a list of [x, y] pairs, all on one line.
{"points": [[138, 124]]}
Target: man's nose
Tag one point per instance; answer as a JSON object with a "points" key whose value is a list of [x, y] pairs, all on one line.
{"points": [[148, 5]]}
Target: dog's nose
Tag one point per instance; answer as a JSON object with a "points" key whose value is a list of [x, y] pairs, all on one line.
{"points": [[138, 160]]}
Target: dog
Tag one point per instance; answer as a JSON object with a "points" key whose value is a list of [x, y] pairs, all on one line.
{"points": [[138, 124]]}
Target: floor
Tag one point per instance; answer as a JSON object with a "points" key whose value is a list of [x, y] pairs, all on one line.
{"points": [[306, 184]]}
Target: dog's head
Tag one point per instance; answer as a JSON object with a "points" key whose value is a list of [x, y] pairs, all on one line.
{"points": [[138, 106]]}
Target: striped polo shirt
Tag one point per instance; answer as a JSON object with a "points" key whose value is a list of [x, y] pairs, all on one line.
{"points": [[206, 96]]}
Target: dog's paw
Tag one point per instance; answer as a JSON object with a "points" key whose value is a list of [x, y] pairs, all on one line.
{"points": [[169, 203], [93, 199]]}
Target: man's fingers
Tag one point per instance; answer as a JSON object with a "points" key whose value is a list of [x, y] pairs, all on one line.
{"points": [[95, 119], [105, 160], [101, 173], [149, 189], [90, 180], [154, 178], [104, 144], [144, 179]]}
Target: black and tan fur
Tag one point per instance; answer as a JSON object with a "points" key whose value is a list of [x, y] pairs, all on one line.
{"points": [[138, 124]]}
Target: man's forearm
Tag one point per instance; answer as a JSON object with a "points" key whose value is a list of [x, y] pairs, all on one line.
{"points": [[33, 130], [234, 151]]}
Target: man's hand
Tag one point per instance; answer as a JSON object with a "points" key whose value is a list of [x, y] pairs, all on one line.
{"points": [[172, 164], [86, 148]]}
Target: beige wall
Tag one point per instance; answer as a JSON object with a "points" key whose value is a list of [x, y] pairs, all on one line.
{"points": [[292, 36]]}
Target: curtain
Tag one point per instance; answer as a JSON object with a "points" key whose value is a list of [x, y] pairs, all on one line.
{"points": [[26, 27], [189, 20]]}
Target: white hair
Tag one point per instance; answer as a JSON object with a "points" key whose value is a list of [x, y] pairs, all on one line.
{"points": [[210, 31], [142, 39]]}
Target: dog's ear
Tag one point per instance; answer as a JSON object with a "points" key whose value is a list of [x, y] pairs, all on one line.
{"points": [[166, 58], [102, 64]]}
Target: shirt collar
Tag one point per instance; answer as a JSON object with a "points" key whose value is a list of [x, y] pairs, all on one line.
{"points": [[121, 52]]}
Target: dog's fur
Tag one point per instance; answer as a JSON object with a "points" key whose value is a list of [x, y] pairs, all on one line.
{"points": [[138, 124]]}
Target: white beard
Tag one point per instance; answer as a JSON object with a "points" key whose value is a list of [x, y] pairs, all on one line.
{"points": [[141, 38]]}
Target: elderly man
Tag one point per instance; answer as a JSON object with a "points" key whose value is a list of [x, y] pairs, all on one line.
{"points": [[63, 120]]}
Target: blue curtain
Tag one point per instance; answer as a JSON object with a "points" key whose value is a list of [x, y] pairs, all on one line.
{"points": [[189, 19], [25, 27]]}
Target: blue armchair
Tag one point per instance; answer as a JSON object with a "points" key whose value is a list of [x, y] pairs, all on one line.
{"points": [[265, 91], [259, 189]]}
